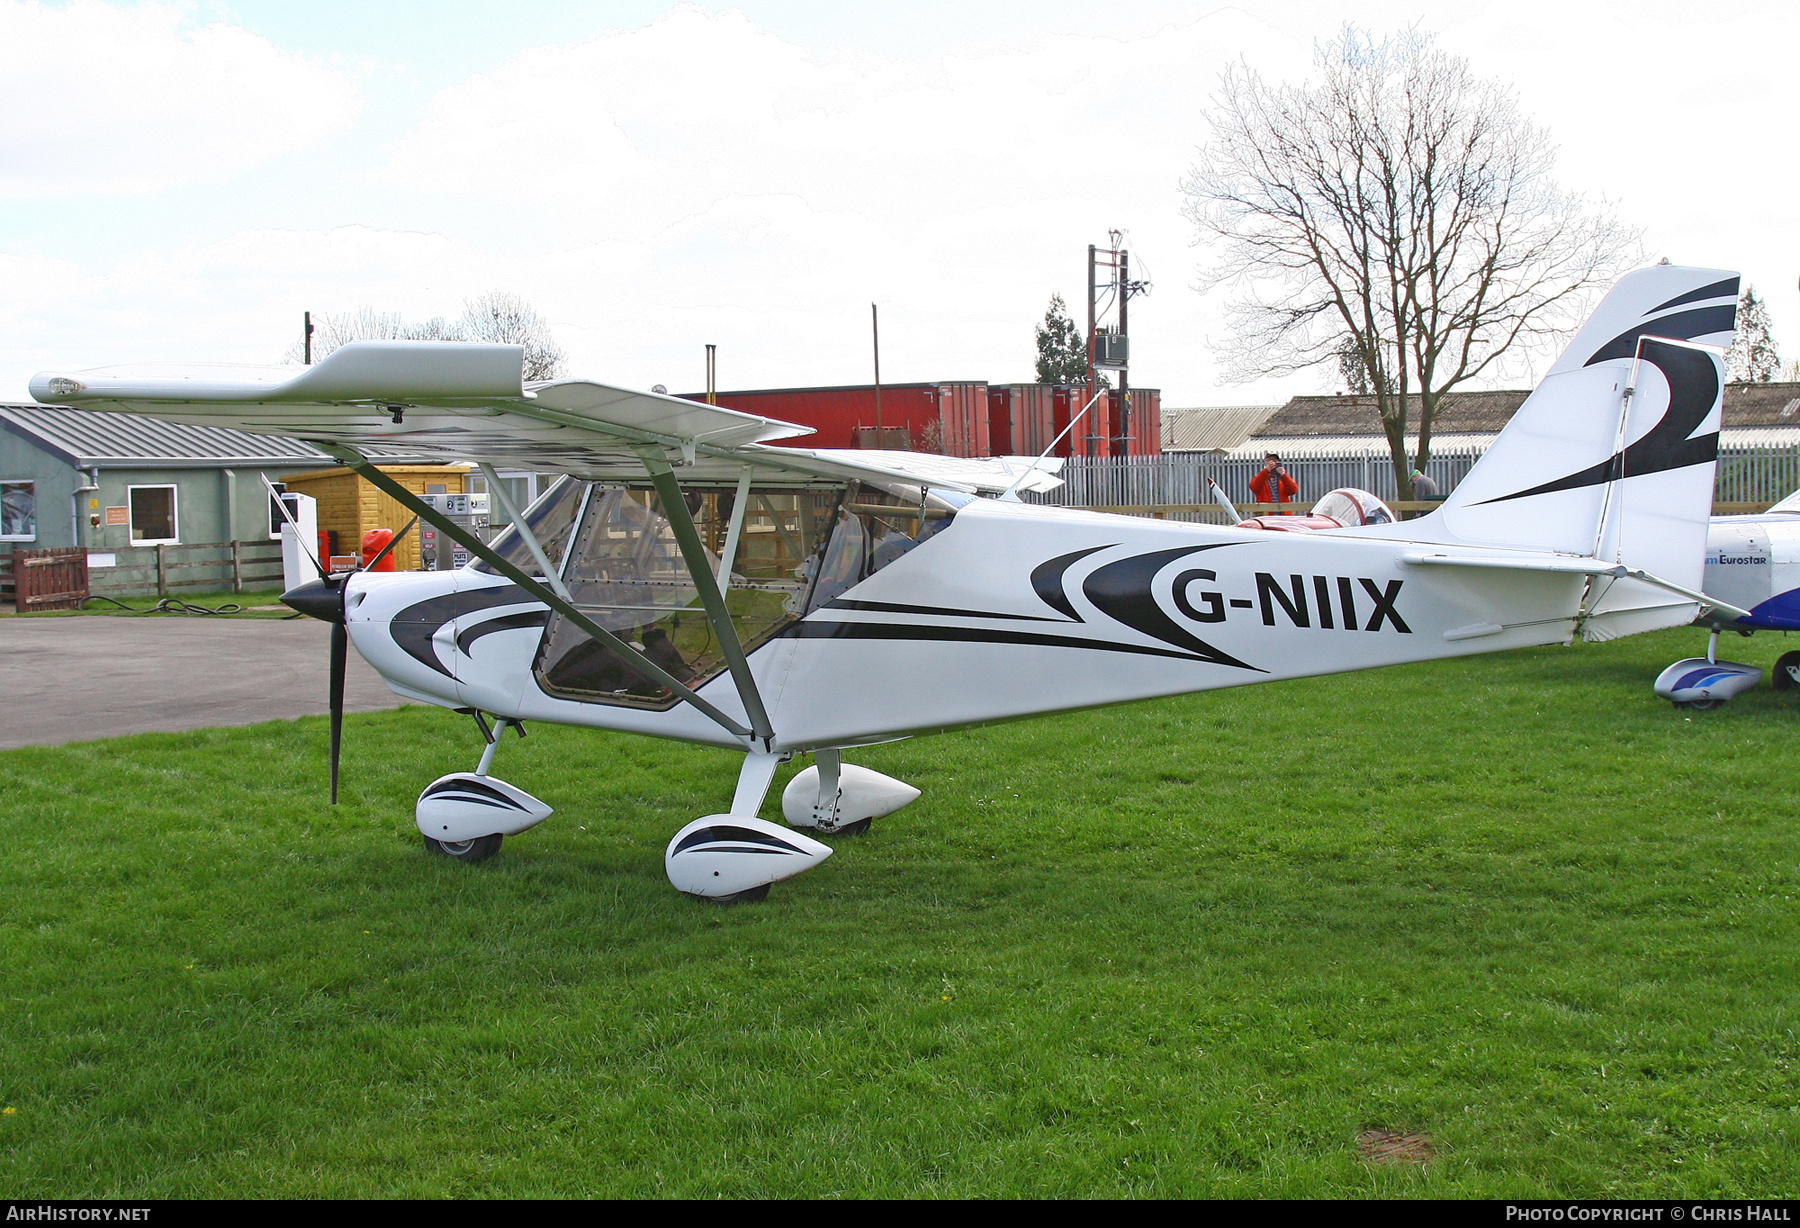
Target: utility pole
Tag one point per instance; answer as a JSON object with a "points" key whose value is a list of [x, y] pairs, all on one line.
{"points": [[712, 375], [1115, 354], [1087, 394], [307, 333], [1122, 427], [875, 326]]}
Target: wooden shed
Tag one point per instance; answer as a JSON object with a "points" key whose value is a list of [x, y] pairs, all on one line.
{"points": [[350, 506]]}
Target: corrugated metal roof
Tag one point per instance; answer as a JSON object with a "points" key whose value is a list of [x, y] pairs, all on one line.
{"points": [[1213, 428], [1356, 447], [87, 438], [1746, 405], [1353, 447]]}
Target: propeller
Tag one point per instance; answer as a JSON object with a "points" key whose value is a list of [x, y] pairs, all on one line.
{"points": [[324, 599]]}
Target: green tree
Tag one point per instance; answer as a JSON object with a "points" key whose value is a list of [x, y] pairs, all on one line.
{"points": [[1062, 354], [1752, 357]]}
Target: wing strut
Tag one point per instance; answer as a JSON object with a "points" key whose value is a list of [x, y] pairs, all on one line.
{"points": [[513, 516], [632, 659], [675, 511]]}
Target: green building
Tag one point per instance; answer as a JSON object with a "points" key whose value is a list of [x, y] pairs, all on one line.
{"points": [[121, 485]]}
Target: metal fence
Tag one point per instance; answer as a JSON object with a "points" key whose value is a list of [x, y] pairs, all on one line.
{"points": [[1760, 474]]}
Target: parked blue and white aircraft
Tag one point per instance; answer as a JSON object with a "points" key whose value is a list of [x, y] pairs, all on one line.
{"points": [[688, 580], [1752, 562]]}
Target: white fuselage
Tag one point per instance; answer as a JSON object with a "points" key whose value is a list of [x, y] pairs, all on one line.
{"points": [[1012, 610]]}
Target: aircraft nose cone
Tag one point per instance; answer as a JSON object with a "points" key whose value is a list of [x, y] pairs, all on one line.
{"points": [[317, 599]]}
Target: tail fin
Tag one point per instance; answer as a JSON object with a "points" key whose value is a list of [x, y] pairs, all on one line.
{"points": [[1612, 456]]}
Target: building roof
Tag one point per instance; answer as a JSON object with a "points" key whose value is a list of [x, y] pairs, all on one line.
{"points": [[90, 439], [1215, 428], [1339, 447], [1772, 404], [1464, 445], [1475, 413], [1462, 413]]}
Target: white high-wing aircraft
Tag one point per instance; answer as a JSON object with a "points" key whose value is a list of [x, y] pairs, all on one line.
{"points": [[689, 581]]}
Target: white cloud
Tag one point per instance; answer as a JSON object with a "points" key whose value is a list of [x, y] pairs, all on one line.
{"points": [[702, 180], [732, 187], [97, 98]]}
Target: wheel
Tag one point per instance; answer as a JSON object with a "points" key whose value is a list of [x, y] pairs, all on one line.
{"points": [[752, 895], [858, 828], [1787, 672], [1701, 705], [479, 849]]}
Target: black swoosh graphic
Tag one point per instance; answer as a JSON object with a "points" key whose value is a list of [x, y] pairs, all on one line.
{"points": [[711, 835], [506, 622], [1682, 326], [1719, 289], [1693, 390], [811, 630], [1122, 591], [413, 627], [1047, 581], [476, 789], [894, 607]]}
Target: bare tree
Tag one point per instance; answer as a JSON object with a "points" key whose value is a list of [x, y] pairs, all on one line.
{"points": [[494, 317], [1393, 216], [1753, 357], [506, 318]]}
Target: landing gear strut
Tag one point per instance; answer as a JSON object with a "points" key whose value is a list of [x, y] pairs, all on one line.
{"points": [[466, 815]]}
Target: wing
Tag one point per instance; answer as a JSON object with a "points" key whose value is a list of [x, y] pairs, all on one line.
{"points": [[467, 402]]}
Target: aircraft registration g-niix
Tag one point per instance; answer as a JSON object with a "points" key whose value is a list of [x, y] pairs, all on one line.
{"points": [[687, 580], [1753, 563]]}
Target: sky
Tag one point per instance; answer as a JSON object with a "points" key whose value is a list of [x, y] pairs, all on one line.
{"points": [[180, 181]]}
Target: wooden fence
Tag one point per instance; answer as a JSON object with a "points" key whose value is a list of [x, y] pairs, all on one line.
{"points": [[54, 579], [143, 571], [234, 565]]}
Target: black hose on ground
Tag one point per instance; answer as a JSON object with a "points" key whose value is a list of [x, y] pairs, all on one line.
{"points": [[172, 605]]}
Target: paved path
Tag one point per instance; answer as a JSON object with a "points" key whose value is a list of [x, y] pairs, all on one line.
{"points": [[79, 678]]}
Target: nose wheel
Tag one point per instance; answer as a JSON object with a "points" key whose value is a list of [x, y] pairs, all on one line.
{"points": [[1786, 675], [465, 815], [478, 849]]}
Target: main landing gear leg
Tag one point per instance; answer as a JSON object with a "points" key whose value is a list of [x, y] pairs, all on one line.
{"points": [[836, 798], [733, 858], [465, 815]]}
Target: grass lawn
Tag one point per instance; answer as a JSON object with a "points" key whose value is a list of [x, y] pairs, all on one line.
{"points": [[1192, 947]]}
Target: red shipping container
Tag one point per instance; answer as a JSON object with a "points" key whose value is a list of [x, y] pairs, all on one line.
{"points": [[1000, 431], [962, 420], [1140, 434], [844, 417]]}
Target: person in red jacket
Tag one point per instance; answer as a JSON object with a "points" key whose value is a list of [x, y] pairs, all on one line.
{"points": [[1272, 484]]}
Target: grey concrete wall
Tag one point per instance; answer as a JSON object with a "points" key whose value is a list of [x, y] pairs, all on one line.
{"points": [[211, 506]]}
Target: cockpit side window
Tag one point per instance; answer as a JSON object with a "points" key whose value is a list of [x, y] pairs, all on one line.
{"points": [[551, 518], [877, 525], [626, 571]]}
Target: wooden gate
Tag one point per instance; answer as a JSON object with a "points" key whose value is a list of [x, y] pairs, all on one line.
{"points": [[54, 579]]}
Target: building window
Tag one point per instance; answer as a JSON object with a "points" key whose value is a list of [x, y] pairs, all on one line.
{"points": [[18, 512], [153, 516]]}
